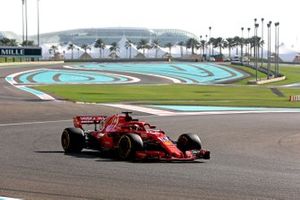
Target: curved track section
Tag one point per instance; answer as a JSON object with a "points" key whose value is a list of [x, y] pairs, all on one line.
{"points": [[189, 73], [59, 76]]}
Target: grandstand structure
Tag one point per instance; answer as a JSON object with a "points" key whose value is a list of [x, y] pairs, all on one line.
{"points": [[110, 35]]}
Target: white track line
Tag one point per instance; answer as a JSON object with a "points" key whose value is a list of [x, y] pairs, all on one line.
{"points": [[170, 113], [142, 109], [34, 122]]}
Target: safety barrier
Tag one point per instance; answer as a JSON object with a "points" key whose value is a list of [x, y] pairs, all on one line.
{"points": [[295, 98]]}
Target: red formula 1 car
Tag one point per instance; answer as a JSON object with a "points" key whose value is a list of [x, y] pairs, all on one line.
{"points": [[130, 139]]}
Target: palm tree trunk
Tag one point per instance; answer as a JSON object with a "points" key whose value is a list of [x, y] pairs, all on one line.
{"points": [[181, 51], [72, 54]]}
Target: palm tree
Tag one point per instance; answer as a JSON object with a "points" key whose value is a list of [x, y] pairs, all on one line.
{"points": [[85, 47], [27, 43], [255, 41], [181, 44], [8, 42], [202, 45], [237, 42], [53, 50], [114, 47], [192, 43], [71, 47], [142, 44], [218, 43], [169, 45], [128, 45], [155, 45], [101, 45], [230, 43]]}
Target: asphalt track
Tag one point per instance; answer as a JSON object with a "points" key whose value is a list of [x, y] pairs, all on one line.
{"points": [[254, 156]]}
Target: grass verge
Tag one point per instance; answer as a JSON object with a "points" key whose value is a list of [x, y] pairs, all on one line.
{"points": [[175, 94]]}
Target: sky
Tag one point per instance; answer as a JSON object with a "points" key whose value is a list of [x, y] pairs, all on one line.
{"points": [[226, 17]]}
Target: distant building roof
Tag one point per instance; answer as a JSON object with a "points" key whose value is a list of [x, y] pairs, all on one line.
{"points": [[109, 35]]}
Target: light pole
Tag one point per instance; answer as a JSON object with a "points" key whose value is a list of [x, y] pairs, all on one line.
{"points": [[269, 48], [23, 3], [248, 45], [262, 42], [206, 48], [210, 50], [277, 49], [200, 47], [256, 49], [38, 22], [26, 23], [242, 41]]}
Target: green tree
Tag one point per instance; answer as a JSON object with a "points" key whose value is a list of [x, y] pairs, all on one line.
{"points": [[229, 44], [181, 44], [53, 49], [169, 45], [202, 46], [85, 47], [128, 46], [8, 42], [155, 45], [218, 43], [142, 44], [101, 45], [193, 44], [237, 42], [114, 47], [28, 43], [71, 47]]}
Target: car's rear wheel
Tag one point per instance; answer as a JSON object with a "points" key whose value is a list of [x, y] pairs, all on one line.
{"points": [[72, 140], [189, 141], [128, 145]]}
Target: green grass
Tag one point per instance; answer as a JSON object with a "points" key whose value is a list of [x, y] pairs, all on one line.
{"points": [[249, 71], [239, 94], [174, 94], [292, 74]]}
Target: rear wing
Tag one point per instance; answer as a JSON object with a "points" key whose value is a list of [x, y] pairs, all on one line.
{"points": [[87, 120]]}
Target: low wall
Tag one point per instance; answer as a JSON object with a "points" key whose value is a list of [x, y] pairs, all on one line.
{"points": [[31, 63], [264, 81]]}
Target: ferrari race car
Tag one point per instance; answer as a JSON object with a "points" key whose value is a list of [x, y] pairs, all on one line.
{"points": [[130, 139]]}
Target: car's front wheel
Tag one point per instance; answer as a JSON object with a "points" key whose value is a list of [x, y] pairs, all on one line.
{"points": [[128, 145], [189, 141]]}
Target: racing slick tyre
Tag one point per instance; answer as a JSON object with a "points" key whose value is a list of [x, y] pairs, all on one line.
{"points": [[188, 141], [128, 145], [72, 140]]}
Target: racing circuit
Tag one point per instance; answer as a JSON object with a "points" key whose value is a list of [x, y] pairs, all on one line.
{"points": [[254, 155]]}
